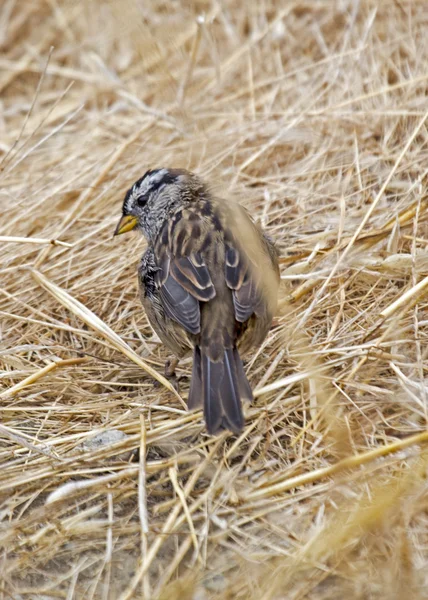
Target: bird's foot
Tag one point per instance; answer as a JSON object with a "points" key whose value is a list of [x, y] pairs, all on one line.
{"points": [[170, 374], [170, 366]]}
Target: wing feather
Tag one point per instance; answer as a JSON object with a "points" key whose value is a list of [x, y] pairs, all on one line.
{"points": [[180, 305], [240, 279], [193, 276], [183, 278]]}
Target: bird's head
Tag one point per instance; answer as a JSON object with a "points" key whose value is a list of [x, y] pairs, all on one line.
{"points": [[153, 197]]}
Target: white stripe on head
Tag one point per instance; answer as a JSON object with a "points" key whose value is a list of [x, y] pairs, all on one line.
{"points": [[148, 182], [144, 186]]}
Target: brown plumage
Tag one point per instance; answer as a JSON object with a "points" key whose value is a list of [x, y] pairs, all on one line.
{"points": [[208, 282]]}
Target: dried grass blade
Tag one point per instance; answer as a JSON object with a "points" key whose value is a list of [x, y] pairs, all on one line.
{"points": [[99, 326], [67, 489], [346, 463], [31, 240], [41, 373], [142, 504], [289, 380], [178, 490], [409, 297]]}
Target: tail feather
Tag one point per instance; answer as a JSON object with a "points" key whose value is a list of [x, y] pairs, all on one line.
{"points": [[243, 383], [230, 394], [195, 394], [220, 386], [212, 376]]}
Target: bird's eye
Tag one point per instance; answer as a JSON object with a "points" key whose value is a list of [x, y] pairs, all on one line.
{"points": [[141, 200]]}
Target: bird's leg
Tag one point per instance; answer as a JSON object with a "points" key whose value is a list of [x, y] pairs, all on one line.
{"points": [[170, 373], [170, 366]]}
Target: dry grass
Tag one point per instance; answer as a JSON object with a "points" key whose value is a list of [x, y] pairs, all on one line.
{"points": [[313, 115]]}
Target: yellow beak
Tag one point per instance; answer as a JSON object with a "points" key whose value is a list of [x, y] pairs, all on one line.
{"points": [[126, 223]]}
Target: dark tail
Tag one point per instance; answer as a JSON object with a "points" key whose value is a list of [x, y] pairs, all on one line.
{"points": [[221, 387]]}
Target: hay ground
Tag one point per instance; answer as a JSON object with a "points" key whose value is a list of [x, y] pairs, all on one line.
{"points": [[313, 115]]}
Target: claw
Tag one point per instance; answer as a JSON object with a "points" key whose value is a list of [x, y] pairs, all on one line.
{"points": [[170, 366]]}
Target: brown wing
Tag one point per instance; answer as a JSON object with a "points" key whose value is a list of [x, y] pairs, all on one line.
{"points": [[180, 305], [238, 279], [183, 279], [248, 253]]}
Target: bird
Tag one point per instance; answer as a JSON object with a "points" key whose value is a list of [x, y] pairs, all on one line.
{"points": [[208, 282]]}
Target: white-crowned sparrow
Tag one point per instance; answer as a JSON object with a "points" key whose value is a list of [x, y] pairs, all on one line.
{"points": [[203, 282]]}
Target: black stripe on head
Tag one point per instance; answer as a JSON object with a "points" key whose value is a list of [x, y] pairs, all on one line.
{"points": [[149, 183], [155, 178]]}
